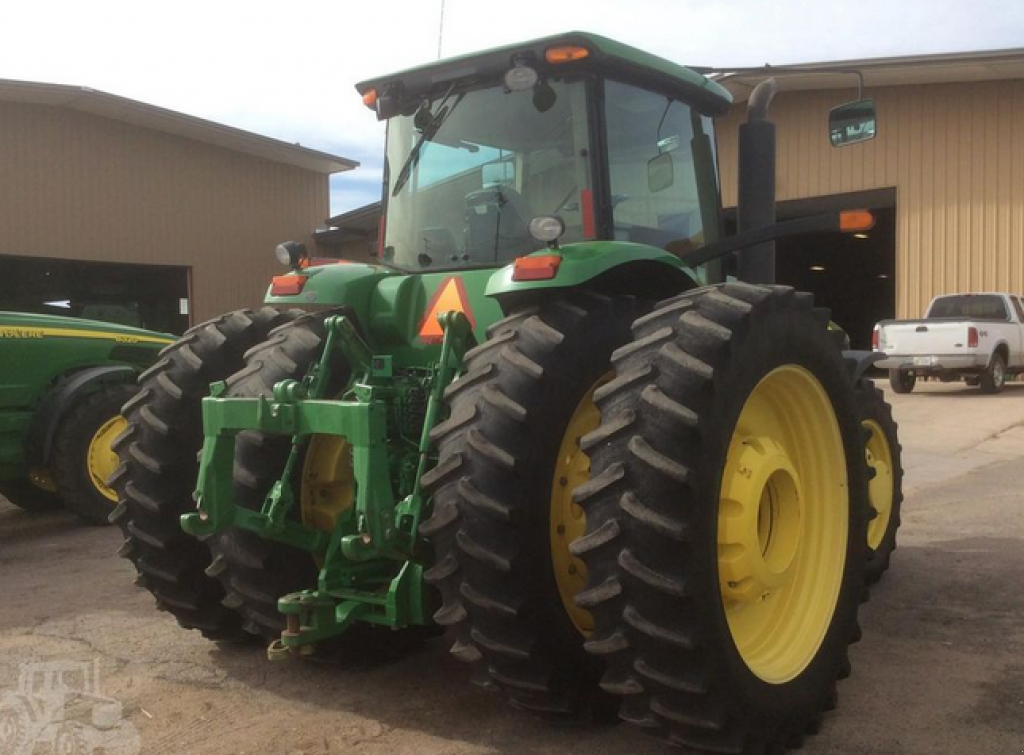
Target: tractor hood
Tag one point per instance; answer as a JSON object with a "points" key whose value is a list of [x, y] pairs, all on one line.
{"points": [[20, 325]]}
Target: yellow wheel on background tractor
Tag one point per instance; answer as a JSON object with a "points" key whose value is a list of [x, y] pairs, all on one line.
{"points": [[83, 459], [726, 515]]}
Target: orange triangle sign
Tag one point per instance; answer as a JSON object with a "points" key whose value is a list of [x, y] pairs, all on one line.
{"points": [[450, 296]]}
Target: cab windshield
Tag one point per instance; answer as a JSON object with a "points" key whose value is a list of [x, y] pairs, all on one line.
{"points": [[467, 173]]}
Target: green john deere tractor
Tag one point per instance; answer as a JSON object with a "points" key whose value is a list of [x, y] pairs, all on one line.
{"points": [[543, 419], [62, 383]]}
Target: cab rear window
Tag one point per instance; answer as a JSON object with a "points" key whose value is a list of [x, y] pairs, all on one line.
{"points": [[969, 307]]}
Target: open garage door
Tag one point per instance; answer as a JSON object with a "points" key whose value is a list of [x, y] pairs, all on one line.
{"points": [[147, 296]]}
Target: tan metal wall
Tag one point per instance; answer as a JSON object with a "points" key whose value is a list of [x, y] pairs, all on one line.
{"points": [[78, 186], [954, 153]]}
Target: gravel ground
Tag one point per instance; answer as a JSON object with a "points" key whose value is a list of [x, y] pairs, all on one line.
{"points": [[940, 668]]}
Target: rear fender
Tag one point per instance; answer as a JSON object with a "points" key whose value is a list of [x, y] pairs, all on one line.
{"points": [[613, 267], [55, 405], [859, 362]]}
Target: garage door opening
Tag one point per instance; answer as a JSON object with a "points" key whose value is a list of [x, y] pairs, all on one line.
{"points": [[146, 296], [854, 275]]}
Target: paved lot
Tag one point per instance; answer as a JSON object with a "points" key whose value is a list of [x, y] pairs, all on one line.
{"points": [[940, 669]]}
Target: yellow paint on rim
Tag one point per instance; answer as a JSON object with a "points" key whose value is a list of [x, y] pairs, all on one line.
{"points": [[783, 524], [100, 459], [327, 488], [880, 489], [567, 520]]}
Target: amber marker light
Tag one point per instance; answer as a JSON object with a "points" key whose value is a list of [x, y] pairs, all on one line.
{"points": [[540, 268], [565, 54], [856, 220], [370, 97]]}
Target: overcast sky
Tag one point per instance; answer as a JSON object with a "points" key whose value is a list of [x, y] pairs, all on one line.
{"points": [[287, 69]]}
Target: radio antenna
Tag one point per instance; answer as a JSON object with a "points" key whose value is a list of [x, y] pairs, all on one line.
{"points": [[440, 31]]}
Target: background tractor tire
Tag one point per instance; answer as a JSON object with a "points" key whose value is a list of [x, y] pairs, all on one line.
{"points": [[27, 497], [993, 379], [83, 459], [885, 489], [902, 381], [158, 469], [254, 571], [725, 397], [496, 489]]}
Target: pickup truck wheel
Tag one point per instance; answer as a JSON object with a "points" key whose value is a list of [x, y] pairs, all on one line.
{"points": [[994, 378], [902, 381]]}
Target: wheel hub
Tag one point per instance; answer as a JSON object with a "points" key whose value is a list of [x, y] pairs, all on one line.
{"points": [[761, 520]]}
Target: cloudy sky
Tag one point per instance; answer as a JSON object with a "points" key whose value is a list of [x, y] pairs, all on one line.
{"points": [[287, 69]]}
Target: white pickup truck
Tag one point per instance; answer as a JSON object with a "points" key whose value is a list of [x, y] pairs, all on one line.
{"points": [[974, 337]]}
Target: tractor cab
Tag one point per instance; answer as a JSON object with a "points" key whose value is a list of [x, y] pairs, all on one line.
{"points": [[575, 136]]}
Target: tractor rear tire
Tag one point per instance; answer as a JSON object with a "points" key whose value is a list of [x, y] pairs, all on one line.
{"points": [[505, 456], [902, 381], [885, 489], [27, 497], [158, 469], [253, 570], [726, 598], [82, 455]]}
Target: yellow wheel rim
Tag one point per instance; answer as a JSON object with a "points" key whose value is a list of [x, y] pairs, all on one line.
{"points": [[567, 520], [783, 524], [327, 488], [879, 458], [100, 460]]}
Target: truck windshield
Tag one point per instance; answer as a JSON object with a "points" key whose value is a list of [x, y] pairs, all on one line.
{"points": [[462, 188], [969, 307]]}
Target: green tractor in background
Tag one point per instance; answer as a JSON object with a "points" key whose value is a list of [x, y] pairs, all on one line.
{"points": [[543, 419], [62, 383]]}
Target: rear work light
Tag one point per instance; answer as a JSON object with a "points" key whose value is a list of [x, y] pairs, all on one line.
{"points": [[287, 285], [540, 268], [972, 337]]}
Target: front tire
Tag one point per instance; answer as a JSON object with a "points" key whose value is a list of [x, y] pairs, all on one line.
{"points": [[83, 459], [502, 513], [726, 518], [902, 381]]}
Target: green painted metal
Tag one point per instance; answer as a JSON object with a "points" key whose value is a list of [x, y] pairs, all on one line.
{"points": [[606, 53], [372, 562], [37, 350], [583, 262]]}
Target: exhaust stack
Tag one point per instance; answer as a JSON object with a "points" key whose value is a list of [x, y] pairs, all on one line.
{"points": [[756, 198]]}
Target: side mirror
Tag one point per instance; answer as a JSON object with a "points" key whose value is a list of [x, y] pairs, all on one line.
{"points": [[660, 172], [852, 123]]}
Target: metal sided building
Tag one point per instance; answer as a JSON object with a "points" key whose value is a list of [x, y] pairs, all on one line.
{"points": [[944, 175], [118, 210]]}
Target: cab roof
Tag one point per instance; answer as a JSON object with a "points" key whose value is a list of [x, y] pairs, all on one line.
{"points": [[606, 56]]}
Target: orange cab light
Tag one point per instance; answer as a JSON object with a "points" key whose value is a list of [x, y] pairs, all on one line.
{"points": [[856, 220], [540, 268], [287, 285], [565, 53], [370, 97]]}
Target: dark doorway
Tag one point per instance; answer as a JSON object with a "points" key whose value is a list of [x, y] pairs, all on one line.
{"points": [[147, 296], [852, 274]]}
